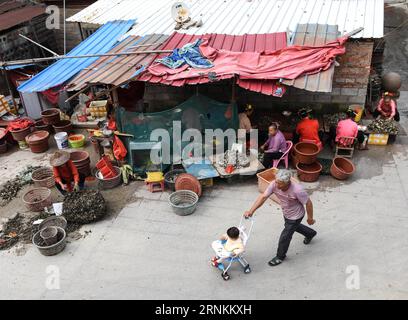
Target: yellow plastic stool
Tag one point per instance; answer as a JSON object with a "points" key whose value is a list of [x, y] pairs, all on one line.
{"points": [[154, 176], [155, 181]]}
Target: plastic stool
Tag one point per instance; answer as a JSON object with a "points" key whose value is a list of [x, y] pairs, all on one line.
{"points": [[155, 181]]}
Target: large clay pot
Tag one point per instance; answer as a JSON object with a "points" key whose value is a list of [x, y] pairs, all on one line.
{"points": [[63, 126], [309, 172], [51, 116], [342, 168], [391, 81], [306, 152], [38, 141], [20, 135], [41, 126]]}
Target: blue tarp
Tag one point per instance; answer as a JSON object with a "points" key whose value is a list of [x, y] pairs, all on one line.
{"points": [[61, 71]]}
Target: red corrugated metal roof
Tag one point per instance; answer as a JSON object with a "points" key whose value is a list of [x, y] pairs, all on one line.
{"points": [[236, 43], [13, 18]]}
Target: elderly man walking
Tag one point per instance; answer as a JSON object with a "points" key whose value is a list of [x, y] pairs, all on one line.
{"points": [[293, 199]]}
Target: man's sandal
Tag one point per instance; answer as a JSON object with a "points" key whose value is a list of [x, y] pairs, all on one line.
{"points": [[275, 261]]}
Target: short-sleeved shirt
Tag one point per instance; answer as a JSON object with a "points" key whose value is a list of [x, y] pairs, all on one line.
{"points": [[346, 128], [292, 201], [276, 143], [389, 109], [308, 129]]}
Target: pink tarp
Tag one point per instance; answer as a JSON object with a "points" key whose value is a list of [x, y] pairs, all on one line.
{"points": [[287, 63]]}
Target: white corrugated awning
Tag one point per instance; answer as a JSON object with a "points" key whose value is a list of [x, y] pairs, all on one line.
{"points": [[237, 17]]}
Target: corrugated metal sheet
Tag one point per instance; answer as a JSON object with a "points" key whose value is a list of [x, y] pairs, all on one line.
{"points": [[238, 43], [314, 35], [58, 73], [239, 17], [117, 70], [13, 18]]}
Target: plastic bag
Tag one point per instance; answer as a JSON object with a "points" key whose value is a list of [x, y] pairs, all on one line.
{"points": [[119, 149]]}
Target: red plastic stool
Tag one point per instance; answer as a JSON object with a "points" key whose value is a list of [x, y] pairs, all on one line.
{"points": [[155, 186]]}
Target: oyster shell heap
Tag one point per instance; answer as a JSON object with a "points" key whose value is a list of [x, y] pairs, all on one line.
{"points": [[238, 160], [384, 126], [84, 206]]}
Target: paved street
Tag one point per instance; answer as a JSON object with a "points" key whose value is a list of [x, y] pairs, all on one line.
{"points": [[147, 252]]}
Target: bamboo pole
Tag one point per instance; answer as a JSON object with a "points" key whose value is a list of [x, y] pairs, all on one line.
{"points": [[40, 45]]}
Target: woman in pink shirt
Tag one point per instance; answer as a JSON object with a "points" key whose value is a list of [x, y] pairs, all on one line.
{"points": [[348, 128], [387, 108]]}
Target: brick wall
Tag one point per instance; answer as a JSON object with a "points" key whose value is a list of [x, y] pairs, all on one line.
{"points": [[349, 87]]}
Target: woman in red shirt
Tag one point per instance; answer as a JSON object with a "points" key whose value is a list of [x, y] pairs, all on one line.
{"points": [[308, 129], [67, 177]]}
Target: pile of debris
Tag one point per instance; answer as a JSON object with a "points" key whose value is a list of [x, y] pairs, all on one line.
{"points": [[11, 188], [84, 207], [19, 229]]}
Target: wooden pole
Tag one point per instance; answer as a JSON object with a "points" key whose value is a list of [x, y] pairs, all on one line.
{"points": [[81, 31], [77, 94], [233, 91], [115, 97]]}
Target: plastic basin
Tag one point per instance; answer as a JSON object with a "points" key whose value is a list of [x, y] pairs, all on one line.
{"points": [[342, 168], [309, 172], [306, 152]]}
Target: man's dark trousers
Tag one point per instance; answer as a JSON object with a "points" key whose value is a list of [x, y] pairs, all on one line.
{"points": [[292, 226]]}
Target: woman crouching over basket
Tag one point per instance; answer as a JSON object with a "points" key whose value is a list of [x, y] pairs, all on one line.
{"points": [[67, 177]]}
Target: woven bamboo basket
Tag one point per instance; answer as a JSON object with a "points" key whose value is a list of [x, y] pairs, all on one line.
{"points": [[43, 177], [37, 199]]}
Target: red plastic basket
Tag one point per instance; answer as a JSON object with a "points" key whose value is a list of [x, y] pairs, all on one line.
{"points": [[106, 168], [104, 162]]}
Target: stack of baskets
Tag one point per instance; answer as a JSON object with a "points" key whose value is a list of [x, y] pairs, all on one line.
{"points": [[82, 162], [60, 223]]}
